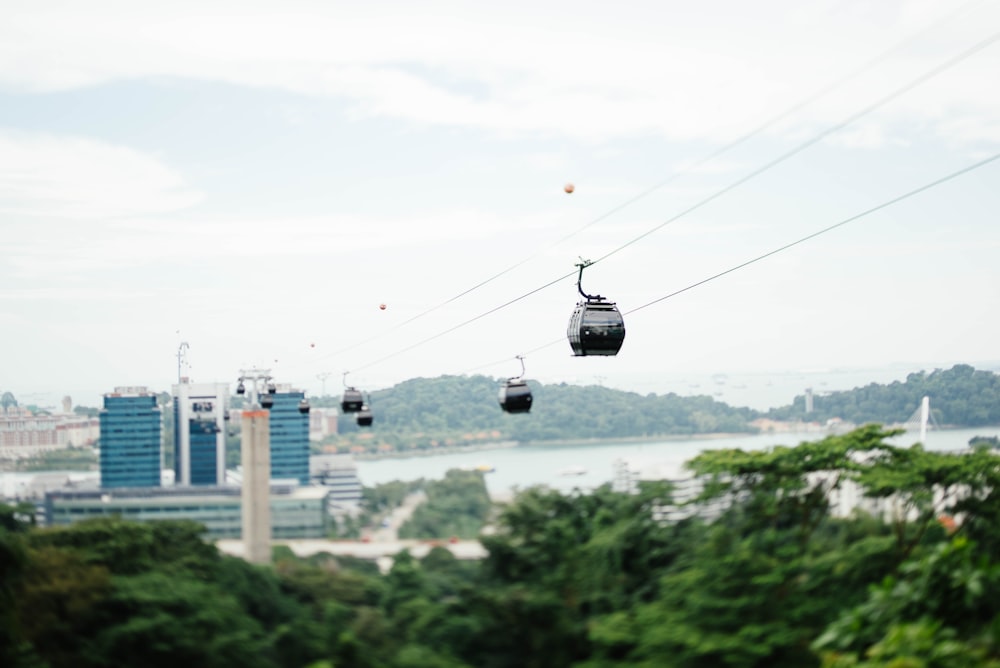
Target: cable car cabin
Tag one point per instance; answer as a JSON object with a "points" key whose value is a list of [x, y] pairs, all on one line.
{"points": [[266, 401], [515, 396], [595, 328], [352, 401], [365, 417], [304, 406]]}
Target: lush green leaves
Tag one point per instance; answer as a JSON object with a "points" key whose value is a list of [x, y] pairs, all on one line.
{"points": [[457, 506], [586, 580]]}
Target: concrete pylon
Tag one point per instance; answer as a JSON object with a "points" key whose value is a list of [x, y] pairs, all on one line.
{"points": [[256, 492]]}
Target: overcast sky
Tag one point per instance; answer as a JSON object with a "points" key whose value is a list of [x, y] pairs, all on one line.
{"points": [[256, 178]]}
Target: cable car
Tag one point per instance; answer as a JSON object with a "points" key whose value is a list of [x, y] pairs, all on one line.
{"points": [[352, 401], [365, 416], [266, 401], [515, 395], [304, 406], [596, 327], [241, 388]]}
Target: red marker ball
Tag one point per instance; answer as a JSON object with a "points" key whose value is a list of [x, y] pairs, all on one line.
{"points": [[382, 306], [569, 187]]}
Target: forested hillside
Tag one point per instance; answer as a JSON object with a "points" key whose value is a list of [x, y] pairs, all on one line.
{"points": [[450, 405], [960, 396], [425, 411]]}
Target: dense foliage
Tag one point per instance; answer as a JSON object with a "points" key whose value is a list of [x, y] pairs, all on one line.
{"points": [[770, 577], [457, 506], [68, 459], [960, 396]]}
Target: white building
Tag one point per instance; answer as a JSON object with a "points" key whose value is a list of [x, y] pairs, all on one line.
{"points": [[200, 411]]}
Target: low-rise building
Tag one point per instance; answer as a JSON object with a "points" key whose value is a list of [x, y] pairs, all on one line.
{"points": [[24, 434], [339, 474], [296, 511]]}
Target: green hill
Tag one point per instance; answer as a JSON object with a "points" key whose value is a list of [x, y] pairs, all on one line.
{"points": [[449, 410], [960, 396]]}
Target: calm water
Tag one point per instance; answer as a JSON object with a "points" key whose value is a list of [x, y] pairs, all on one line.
{"points": [[583, 466], [552, 465]]}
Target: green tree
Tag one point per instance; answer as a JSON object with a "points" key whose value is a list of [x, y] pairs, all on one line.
{"points": [[154, 619], [458, 505], [942, 609]]}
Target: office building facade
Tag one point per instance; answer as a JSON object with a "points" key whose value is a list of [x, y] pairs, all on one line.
{"points": [[289, 432], [131, 435], [200, 411]]}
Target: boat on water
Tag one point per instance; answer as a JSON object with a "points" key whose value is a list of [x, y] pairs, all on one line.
{"points": [[482, 468], [572, 470]]}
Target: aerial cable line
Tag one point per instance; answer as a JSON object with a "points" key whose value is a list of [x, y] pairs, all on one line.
{"points": [[776, 161], [923, 78], [830, 228], [464, 323], [804, 102], [913, 83], [883, 205]]}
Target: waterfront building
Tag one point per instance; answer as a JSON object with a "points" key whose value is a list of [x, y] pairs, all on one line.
{"points": [[25, 434], [339, 474], [289, 432], [296, 512], [131, 433], [200, 413]]}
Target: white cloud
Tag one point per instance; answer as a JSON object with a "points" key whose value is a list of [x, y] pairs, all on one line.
{"points": [[50, 176], [578, 70], [62, 250]]}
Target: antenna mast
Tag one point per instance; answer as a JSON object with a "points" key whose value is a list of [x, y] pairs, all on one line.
{"points": [[181, 359]]}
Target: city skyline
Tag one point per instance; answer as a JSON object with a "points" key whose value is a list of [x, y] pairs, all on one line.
{"points": [[258, 181]]}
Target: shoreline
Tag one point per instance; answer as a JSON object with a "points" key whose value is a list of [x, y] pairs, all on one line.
{"points": [[452, 450], [553, 443]]}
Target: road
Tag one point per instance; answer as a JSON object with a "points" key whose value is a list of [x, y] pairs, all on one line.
{"points": [[396, 518], [376, 551]]}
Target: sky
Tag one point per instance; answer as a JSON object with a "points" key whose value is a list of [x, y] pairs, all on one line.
{"points": [[254, 179]]}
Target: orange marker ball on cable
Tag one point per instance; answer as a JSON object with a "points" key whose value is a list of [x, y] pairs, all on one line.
{"points": [[381, 307], [569, 187]]}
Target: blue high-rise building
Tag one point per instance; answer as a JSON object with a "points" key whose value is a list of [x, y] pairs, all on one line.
{"points": [[289, 431], [130, 438], [204, 466]]}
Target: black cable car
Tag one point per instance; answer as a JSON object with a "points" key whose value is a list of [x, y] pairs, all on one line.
{"points": [[241, 388], [352, 400], [365, 416], [304, 406], [515, 395], [266, 400], [596, 327]]}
